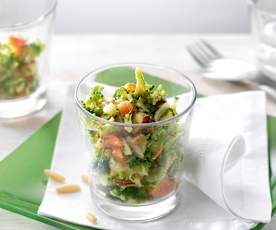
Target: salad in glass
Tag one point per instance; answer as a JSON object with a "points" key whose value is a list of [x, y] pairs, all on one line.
{"points": [[135, 121], [19, 75], [134, 164]]}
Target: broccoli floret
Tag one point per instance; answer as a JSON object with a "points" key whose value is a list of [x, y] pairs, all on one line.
{"points": [[33, 50], [140, 83], [121, 93], [94, 103], [157, 94], [130, 194]]}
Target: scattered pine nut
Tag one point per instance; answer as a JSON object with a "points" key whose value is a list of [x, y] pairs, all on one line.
{"points": [[54, 176], [91, 218], [85, 179], [68, 188]]}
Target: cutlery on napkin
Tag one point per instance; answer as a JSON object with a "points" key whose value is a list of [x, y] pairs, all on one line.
{"points": [[217, 123], [218, 67]]}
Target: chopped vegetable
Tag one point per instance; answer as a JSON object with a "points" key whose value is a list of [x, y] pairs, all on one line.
{"points": [[124, 182], [138, 139], [118, 155], [130, 86], [157, 152], [17, 44], [138, 149], [163, 188], [19, 74], [112, 141], [134, 164], [139, 117], [140, 85], [125, 107], [146, 119], [110, 109], [161, 111]]}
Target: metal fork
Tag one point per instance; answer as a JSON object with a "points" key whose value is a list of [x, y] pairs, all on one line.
{"points": [[203, 52], [211, 60]]}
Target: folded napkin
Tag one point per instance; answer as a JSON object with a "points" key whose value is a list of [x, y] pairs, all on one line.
{"points": [[227, 154], [17, 130], [237, 112]]}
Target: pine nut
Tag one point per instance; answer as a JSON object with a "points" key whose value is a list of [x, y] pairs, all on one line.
{"points": [[85, 179], [91, 218], [68, 188], [54, 176]]}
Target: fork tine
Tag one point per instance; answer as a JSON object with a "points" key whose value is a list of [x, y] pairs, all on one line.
{"points": [[205, 51], [197, 55], [211, 48]]}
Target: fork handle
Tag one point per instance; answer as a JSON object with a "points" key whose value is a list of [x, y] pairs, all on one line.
{"points": [[270, 91]]}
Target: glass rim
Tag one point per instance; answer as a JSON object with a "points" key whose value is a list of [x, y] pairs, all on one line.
{"points": [[151, 124], [26, 24]]}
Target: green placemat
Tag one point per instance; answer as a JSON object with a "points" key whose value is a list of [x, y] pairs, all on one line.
{"points": [[22, 183]]}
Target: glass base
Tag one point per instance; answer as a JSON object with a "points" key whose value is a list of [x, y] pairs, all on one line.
{"points": [[140, 213], [20, 107]]}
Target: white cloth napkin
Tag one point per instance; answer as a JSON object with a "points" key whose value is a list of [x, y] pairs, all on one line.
{"points": [[196, 210], [227, 156], [16, 131]]}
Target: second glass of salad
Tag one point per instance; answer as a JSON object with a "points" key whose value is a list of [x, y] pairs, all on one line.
{"points": [[25, 35], [134, 119]]}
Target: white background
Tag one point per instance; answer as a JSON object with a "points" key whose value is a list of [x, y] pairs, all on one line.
{"points": [[152, 16]]}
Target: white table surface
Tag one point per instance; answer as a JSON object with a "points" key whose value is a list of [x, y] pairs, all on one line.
{"points": [[75, 55]]}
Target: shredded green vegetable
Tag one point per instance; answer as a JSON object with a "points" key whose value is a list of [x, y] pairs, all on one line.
{"points": [[137, 164], [18, 67]]}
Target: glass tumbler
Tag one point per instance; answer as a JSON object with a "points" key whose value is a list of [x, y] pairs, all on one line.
{"points": [[136, 170], [25, 35], [263, 13]]}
